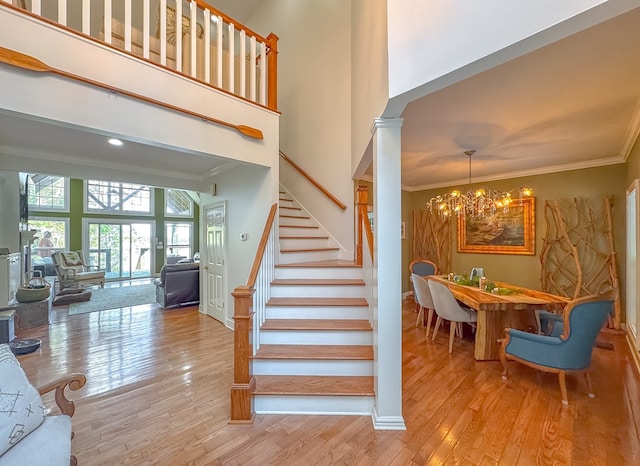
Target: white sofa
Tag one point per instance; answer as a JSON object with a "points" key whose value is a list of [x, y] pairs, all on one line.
{"points": [[28, 433]]}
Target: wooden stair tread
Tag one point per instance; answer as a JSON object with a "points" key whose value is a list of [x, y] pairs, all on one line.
{"points": [[318, 282], [314, 385], [317, 324], [334, 352], [304, 217], [317, 302], [304, 237], [300, 226], [284, 251], [322, 264], [290, 207]]}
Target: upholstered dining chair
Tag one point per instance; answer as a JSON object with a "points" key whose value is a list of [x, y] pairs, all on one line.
{"points": [[72, 271], [422, 267], [447, 308], [582, 320], [425, 301]]}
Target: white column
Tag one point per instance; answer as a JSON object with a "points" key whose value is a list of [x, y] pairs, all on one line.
{"points": [[387, 309]]}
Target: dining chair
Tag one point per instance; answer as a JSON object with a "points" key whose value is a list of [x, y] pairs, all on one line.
{"points": [[571, 351], [447, 308], [422, 267], [425, 301]]}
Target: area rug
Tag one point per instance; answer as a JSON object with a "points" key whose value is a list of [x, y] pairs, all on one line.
{"points": [[115, 298]]}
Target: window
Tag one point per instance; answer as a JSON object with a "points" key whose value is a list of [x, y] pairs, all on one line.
{"points": [[46, 192], [177, 203], [51, 237], [118, 198], [178, 240]]}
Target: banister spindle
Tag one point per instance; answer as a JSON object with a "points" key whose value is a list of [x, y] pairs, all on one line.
{"points": [[146, 18], [62, 12], [252, 69], [243, 63], [86, 17], [179, 35], [207, 46], [106, 18], [36, 7], [232, 55], [127, 25], [163, 32], [263, 73], [193, 8], [219, 47]]}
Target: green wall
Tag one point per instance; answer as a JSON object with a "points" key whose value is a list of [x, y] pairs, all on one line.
{"points": [[76, 214], [525, 270]]}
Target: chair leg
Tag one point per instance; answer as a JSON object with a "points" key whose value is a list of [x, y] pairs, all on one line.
{"points": [[563, 388], [588, 379], [420, 318], [429, 318], [452, 334], [503, 359], [460, 326], [435, 330]]}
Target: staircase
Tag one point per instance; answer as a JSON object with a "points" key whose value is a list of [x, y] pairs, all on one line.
{"points": [[316, 354]]}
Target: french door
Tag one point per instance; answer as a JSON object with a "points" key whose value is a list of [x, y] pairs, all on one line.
{"points": [[123, 249]]}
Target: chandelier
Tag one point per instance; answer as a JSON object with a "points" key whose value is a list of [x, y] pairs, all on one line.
{"points": [[481, 202]]}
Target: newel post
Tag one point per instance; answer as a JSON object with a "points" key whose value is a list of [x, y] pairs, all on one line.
{"points": [[244, 384], [272, 66], [362, 201]]}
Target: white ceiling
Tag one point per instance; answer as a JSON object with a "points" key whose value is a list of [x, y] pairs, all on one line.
{"points": [[572, 104]]}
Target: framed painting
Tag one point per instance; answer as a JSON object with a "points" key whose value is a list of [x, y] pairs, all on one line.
{"points": [[511, 232]]}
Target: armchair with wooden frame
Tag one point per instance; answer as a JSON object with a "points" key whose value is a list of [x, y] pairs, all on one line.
{"points": [[73, 271], [571, 351]]}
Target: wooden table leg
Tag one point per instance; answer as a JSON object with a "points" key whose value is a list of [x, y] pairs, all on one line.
{"points": [[490, 329]]}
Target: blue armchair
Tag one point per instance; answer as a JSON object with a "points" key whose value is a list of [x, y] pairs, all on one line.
{"points": [[571, 351]]}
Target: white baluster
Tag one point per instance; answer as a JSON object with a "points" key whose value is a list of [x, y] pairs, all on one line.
{"points": [[179, 35], [86, 17], [194, 43], [146, 18], [207, 46], [232, 54], [219, 46], [127, 25], [252, 70], [263, 73], [163, 32], [106, 18], [36, 7], [62, 12], [243, 63]]}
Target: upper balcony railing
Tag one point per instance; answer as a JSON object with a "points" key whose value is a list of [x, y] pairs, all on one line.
{"points": [[218, 51]]}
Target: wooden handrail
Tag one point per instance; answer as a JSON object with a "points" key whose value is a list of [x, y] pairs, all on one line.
{"points": [[362, 202], [313, 181], [253, 274], [244, 383]]}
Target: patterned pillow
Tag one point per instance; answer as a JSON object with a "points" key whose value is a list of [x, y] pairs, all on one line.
{"points": [[21, 408], [71, 259]]}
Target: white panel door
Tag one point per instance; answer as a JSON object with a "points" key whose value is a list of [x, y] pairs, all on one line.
{"points": [[215, 266]]}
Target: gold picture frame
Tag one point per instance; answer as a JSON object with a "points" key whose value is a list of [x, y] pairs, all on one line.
{"points": [[511, 232]]}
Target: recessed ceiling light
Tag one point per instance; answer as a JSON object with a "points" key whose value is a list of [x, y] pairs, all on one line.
{"points": [[115, 142]]}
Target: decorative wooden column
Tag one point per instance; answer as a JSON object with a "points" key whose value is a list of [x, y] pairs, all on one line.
{"points": [[272, 64], [244, 384], [362, 202]]}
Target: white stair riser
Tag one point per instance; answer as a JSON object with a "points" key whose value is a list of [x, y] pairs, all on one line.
{"points": [[308, 256], [318, 272], [311, 367], [292, 231], [315, 337], [329, 405], [304, 243], [296, 221], [290, 312], [317, 291]]}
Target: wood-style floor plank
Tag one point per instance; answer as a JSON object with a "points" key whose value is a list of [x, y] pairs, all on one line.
{"points": [[158, 385]]}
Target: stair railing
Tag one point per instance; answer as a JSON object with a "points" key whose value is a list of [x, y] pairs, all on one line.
{"points": [[219, 51], [249, 314], [313, 181], [364, 247]]}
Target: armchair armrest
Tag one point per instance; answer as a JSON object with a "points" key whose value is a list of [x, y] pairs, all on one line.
{"points": [[74, 382], [514, 334]]}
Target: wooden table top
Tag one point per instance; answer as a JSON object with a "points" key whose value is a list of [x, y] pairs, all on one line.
{"points": [[523, 299]]}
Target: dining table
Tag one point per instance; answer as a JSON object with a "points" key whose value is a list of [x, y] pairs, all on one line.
{"points": [[497, 311]]}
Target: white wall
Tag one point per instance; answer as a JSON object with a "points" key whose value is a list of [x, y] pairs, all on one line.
{"points": [[432, 40], [369, 68], [314, 96], [249, 192]]}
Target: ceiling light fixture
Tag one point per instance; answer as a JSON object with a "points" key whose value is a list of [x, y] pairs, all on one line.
{"points": [[481, 202], [115, 142]]}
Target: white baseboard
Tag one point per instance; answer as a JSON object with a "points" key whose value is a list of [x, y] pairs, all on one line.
{"points": [[387, 422]]}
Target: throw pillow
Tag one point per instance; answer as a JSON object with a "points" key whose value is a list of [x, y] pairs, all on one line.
{"points": [[21, 408], [71, 259]]}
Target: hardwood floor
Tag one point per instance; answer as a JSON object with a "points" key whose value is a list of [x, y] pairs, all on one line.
{"points": [[158, 384]]}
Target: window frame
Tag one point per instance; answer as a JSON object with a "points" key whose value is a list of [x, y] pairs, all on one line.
{"points": [[127, 213], [167, 245], [173, 215], [66, 196]]}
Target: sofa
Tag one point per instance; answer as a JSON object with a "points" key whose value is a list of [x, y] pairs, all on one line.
{"points": [[178, 284], [28, 433]]}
